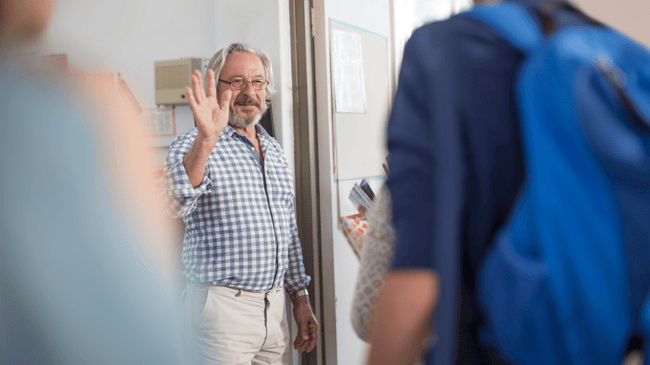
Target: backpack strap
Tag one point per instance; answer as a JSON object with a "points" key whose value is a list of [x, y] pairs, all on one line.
{"points": [[513, 21], [546, 14]]}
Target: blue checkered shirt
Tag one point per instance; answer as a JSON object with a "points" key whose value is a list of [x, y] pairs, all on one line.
{"points": [[240, 223]]}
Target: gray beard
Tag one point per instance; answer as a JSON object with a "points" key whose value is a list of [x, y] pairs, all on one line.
{"points": [[236, 120]]}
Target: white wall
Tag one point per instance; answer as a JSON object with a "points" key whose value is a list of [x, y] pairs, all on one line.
{"points": [[372, 15], [127, 36], [628, 16]]}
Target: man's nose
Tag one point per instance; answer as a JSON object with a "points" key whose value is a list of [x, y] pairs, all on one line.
{"points": [[248, 90]]}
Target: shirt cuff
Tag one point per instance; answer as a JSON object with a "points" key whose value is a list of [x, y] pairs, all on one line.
{"points": [[294, 285], [181, 184]]}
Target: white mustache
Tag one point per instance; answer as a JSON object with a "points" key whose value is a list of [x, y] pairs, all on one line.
{"points": [[247, 101]]}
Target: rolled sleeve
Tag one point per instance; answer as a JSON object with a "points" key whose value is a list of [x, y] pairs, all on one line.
{"points": [[179, 194]]}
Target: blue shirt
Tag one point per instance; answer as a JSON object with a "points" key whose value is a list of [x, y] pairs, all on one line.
{"points": [[240, 223], [456, 166], [455, 163]]}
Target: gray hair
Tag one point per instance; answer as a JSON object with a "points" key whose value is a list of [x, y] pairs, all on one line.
{"points": [[219, 60]]}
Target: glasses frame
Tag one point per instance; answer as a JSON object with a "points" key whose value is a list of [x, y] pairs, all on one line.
{"points": [[245, 85]]}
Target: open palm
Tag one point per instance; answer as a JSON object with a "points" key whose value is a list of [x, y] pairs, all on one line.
{"points": [[211, 116]]}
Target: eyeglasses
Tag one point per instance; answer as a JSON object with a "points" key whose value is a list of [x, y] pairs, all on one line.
{"points": [[240, 84]]}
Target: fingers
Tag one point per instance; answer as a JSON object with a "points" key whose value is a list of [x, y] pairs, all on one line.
{"points": [[302, 339], [300, 344], [311, 345], [197, 85], [305, 345], [313, 335], [224, 107], [225, 100], [297, 342], [212, 84], [303, 332], [191, 99], [307, 337]]}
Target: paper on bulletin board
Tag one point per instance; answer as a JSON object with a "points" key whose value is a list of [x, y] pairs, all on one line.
{"points": [[159, 121], [347, 71], [359, 139]]}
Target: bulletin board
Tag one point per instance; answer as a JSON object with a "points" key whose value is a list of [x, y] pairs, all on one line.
{"points": [[359, 130], [159, 121]]}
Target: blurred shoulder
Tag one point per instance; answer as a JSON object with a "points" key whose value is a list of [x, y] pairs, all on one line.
{"points": [[459, 39]]}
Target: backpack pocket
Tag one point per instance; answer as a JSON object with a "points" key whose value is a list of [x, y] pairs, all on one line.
{"points": [[515, 295]]}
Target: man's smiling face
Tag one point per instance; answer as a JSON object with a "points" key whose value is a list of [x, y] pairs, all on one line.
{"points": [[247, 104]]}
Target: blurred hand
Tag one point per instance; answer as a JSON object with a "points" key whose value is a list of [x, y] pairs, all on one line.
{"points": [[211, 116]]}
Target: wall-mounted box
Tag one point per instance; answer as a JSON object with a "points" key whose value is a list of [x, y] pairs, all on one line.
{"points": [[171, 79]]}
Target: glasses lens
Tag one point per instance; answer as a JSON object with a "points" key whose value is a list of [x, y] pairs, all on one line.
{"points": [[258, 84], [237, 84], [240, 84]]}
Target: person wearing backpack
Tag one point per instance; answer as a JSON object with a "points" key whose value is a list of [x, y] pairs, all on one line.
{"points": [[519, 172]]}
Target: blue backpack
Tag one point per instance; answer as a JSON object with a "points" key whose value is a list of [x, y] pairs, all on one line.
{"points": [[566, 279]]}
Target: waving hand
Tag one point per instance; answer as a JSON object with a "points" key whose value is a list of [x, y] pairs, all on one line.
{"points": [[211, 116]]}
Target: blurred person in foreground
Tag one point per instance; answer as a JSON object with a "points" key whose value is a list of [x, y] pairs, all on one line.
{"points": [[84, 256], [456, 167], [231, 183]]}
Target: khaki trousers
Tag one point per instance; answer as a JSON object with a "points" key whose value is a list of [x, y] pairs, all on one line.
{"points": [[236, 327]]}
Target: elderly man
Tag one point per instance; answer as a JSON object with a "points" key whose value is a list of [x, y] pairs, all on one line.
{"points": [[232, 185]]}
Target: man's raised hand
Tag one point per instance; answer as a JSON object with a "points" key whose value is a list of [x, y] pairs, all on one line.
{"points": [[211, 116]]}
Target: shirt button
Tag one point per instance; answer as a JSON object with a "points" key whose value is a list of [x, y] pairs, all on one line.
{"points": [[252, 148]]}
